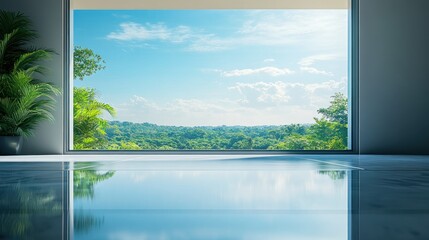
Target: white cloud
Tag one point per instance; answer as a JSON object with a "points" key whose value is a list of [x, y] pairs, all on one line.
{"points": [[249, 104], [272, 71], [313, 70], [311, 29], [132, 31], [138, 100], [308, 62], [272, 94], [262, 92], [308, 28], [328, 85]]}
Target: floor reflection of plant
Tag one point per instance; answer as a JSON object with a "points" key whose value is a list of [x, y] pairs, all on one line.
{"points": [[334, 174], [83, 187], [84, 181], [85, 222], [20, 206]]}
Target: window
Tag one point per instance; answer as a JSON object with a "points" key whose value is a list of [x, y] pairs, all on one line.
{"points": [[219, 77]]}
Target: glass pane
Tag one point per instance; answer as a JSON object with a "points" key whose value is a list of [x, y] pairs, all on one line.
{"points": [[210, 79]]}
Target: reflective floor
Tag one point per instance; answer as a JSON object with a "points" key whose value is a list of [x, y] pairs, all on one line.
{"points": [[223, 197]]}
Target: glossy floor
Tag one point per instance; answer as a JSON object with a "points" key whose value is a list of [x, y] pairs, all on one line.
{"points": [[214, 197]]}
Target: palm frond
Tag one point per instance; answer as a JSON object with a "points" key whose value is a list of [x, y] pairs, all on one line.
{"points": [[29, 61], [24, 100]]}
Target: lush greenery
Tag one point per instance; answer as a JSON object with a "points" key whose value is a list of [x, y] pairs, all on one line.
{"points": [[328, 133], [86, 63], [85, 180], [24, 99], [92, 132], [88, 125], [83, 188], [25, 200]]}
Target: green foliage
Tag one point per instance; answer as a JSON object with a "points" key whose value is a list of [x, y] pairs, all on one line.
{"points": [[334, 174], [153, 137], [324, 134], [21, 203], [88, 124], [86, 63], [337, 111], [16, 35], [332, 127], [124, 146], [328, 133], [89, 127], [83, 187], [24, 100], [24, 103], [85, 180]]}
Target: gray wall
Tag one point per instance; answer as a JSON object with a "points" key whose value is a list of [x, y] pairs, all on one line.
{"points": [[394, 76], [47, 20]]}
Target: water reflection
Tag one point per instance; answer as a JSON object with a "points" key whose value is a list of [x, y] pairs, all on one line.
{"points": [[83, 187], [255, 203], [211, 204], [334, 174], [30, 204], [84, 181]]}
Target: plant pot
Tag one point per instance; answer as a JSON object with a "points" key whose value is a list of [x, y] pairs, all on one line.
{"points": [[10, 145]]}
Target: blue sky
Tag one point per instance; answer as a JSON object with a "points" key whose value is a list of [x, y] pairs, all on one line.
{"points": [[216, 67]]}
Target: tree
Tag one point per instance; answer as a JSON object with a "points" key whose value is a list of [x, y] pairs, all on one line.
{"points": [[86, 63], [88, 125], [337, 111], [328, 133], [332, 127]]}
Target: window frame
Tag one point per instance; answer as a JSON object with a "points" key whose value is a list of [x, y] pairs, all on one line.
{"points": [[353, 99]]}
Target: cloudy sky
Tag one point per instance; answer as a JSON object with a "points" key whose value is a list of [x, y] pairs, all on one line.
{"points": [[216, 67]]}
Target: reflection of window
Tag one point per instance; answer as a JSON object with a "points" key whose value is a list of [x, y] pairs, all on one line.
{"points": [[212, 204], [210, 79]]}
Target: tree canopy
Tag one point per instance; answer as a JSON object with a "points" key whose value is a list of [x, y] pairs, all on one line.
{"points": [[88, 124], [86, 63]]}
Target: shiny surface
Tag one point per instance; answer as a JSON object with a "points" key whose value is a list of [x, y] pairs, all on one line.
{"points": [[260, 197], [212, 205]]}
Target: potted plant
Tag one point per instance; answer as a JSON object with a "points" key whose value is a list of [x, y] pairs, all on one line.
{"points": [[25, 100]]}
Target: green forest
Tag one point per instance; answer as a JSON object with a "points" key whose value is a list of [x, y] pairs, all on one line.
{"points": [[92, 132]]}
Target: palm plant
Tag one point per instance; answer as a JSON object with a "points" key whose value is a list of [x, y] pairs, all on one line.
{"points": [[24, 99], [89, 127]]}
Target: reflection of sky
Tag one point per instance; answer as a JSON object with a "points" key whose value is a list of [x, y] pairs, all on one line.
{"points": [[218, 205]]}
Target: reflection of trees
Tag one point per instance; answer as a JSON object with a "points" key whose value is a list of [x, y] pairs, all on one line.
{"points": [[83, 187], [84, 181], [84, 222], [21, 207], [334, 174]]}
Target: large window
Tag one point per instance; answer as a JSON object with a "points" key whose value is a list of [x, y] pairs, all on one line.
{"points": [[199, 79]]}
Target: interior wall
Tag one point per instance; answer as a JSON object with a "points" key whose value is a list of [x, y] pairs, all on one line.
{"points": [[394, 76], [46, 16]]}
